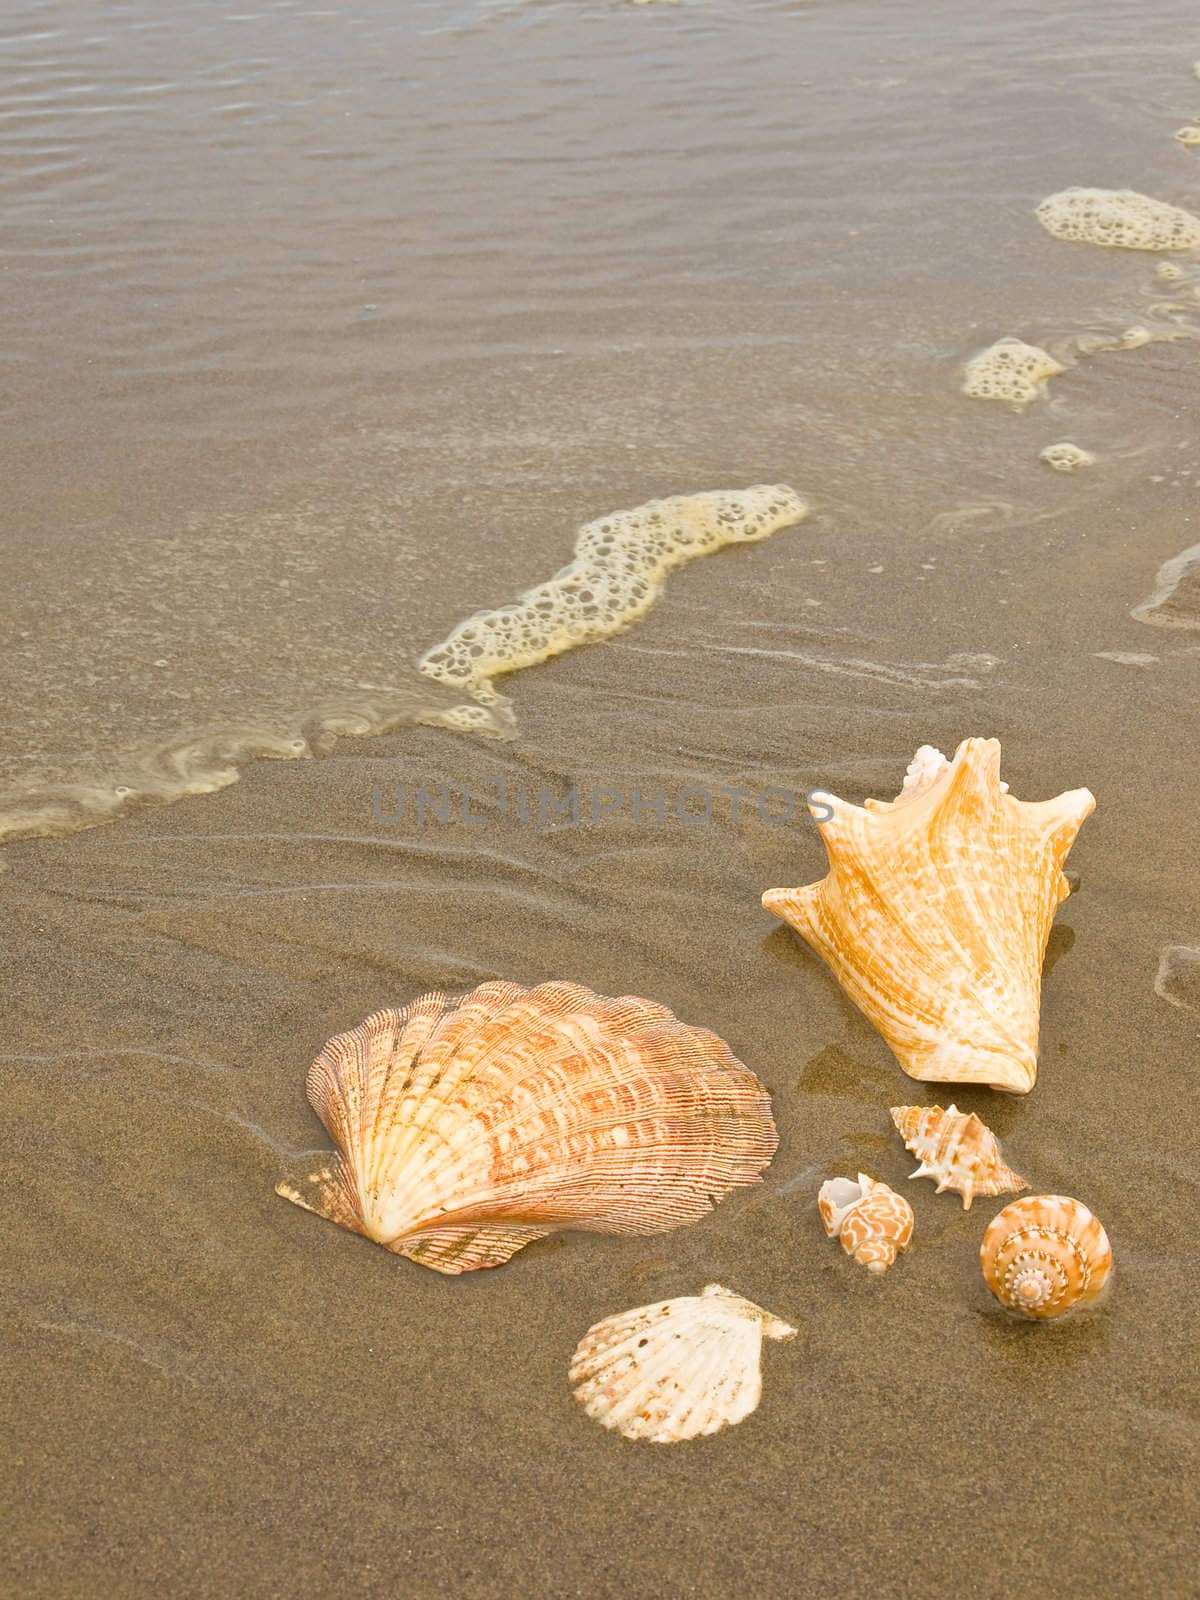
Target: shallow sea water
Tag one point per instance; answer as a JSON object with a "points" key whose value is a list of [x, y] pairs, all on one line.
{"points": [[328, 326]]}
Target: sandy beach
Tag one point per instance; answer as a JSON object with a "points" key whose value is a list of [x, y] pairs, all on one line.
{"points": [[331, 328]]}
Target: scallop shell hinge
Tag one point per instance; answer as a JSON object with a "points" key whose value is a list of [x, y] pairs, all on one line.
{"points": [[936, 910], [466, 1128], [677, 1369]]}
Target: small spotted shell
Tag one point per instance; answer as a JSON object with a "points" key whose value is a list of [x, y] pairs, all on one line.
{"points": [[1045, 1255], [873, 1222], [676, 1369]]}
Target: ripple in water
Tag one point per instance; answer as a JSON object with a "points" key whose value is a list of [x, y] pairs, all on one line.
{"points": [[1175, 602]]}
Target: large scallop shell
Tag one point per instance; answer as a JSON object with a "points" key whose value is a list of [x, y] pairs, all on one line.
{"points": [[676, 1369], [936, 911], [956, 1148], [873, 1222], [1045, 1255], [469, 1127]]}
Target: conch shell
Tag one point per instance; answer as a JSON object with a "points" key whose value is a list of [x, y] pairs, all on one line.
{"points": [[873, 1222], [468, 1127], [936, 911], [959, 1150], [676, 1369], [1045, 1255]]}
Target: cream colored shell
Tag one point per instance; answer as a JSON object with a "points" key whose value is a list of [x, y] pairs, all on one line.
{"points": [[957, 1149], [1045, 1255], [677, 1369], [936, 910], [468, 1127], [873, 1222]]}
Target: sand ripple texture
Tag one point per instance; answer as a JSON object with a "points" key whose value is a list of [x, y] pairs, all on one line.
{"points": [[153, 1090]]}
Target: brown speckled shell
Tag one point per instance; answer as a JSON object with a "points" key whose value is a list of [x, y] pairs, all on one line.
{"points": [[676, 1369]]}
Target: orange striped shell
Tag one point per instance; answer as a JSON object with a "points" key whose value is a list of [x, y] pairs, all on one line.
{"points": [[957, 1149], [936, 910], [873, 1222], [1045, 1255], [468, 1127]]}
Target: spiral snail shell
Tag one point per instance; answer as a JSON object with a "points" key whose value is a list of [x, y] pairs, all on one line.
{"points": [[873, 1222], [1045, 1255]]}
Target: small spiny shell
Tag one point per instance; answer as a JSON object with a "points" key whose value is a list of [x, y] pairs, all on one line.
{"points": [[1045, 1255], [676, 1369], [873, 1222], [959, 1150], [468, 1127], [936, 910]]}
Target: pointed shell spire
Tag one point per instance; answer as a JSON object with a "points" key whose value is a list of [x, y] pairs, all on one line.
{"points": [[1045, 1255], [677, 1369], [873, 1222], [936, 910], [959, 1150], [468, 1127]]}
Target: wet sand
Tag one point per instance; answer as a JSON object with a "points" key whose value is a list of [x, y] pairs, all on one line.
{"points": [[207, 1392], [214, 1392]]}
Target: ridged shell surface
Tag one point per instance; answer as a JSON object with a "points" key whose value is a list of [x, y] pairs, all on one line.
{"points": [[1045, 1255], [468, 1127], [936, 911], [677, 1369], [956, 1148], [873, 1222]]}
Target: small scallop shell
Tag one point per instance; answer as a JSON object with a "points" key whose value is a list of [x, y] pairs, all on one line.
{"points": [[1045, 1255], [959, 1150], [468, 1127], [873, 1222], [676, 1369]]}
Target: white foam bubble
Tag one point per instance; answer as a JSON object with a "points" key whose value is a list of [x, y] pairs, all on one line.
{"points": [[1010, 370], [620, 564], [1066, 457], [1119, 219], [1189, 136]]}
